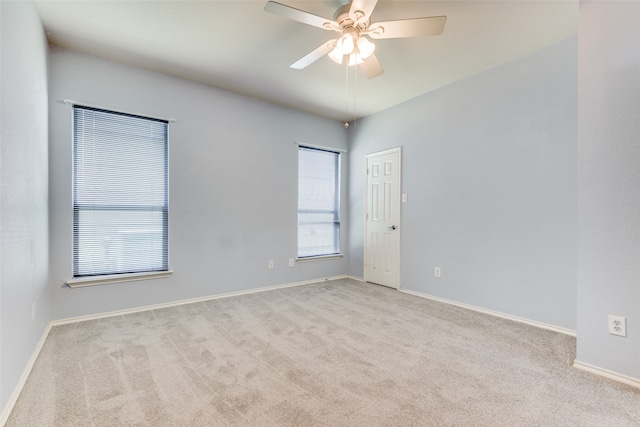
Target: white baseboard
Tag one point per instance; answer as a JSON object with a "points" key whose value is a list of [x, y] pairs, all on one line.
{"points": [[537, 324], [615, 376], [23, 378], [188, 301]]}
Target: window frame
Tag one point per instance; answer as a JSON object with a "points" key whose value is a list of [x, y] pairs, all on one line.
{"points": [[336, 211], [160, 271]]}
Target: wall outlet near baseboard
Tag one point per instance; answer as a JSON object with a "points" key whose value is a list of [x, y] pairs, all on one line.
{"points": [[617, 325], [437, 272], [291, 262], [270, 265]]}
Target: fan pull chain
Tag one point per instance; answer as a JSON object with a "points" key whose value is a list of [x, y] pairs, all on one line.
{"points": [[346, 92], [355, 95]]}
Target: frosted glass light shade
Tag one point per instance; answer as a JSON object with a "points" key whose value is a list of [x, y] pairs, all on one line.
{"points": [[355, 58], [361, 49], [365, 47], [346, 44], [336, 55]]}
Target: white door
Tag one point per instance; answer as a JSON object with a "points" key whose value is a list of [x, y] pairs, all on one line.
{"points": [[382, 222]]}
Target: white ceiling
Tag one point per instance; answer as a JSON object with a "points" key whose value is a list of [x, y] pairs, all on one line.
{"points": [[237, 46]]}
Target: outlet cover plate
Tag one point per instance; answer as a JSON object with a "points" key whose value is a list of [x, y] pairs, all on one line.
{"points": [[617, 325]]}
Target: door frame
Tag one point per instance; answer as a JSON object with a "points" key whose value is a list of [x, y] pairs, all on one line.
{"points": [[399, 203]]}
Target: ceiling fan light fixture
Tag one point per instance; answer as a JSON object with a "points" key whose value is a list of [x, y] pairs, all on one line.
{"points": [[355, 58], [336, 55], [365, 47], [345, 44]]}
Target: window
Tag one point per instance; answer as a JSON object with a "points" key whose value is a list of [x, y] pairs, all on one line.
{"points": [[318, 202], [120, 193]]}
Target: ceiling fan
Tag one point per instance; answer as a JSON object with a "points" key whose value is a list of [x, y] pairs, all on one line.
{"points": [[352, 22]]}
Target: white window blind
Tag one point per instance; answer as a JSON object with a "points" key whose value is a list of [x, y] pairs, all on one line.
{"points": [[318, 202], [120, 193]]}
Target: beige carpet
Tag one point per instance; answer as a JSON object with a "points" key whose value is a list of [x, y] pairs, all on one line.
{"points": [[338, 353]]}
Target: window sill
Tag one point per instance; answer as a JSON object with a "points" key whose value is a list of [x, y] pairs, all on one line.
{"points": [[319, 258], [82, 282]]}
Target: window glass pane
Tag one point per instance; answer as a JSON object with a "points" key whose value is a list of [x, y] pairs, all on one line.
{"points": [[120, 193], [318, 202], [112, 240], [318, 239], [318, 179]]}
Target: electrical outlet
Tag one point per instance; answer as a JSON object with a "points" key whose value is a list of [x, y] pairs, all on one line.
{"points": [[437, 272], [271, 265], [291, 262], [617, 325], [33, 311]]}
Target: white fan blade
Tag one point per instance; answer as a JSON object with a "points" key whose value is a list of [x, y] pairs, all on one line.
{"points": [[428, 26], [299, 15], [360, 10], [314, 55], [371, 67]]}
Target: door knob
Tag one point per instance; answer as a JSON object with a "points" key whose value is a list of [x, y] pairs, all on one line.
{"points": [[393, 227]]}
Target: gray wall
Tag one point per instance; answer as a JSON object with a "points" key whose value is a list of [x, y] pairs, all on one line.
{"points": [[489, 166], [609, 184], [24, 261], [233, 184]]}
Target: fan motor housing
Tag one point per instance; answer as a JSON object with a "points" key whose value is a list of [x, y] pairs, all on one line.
{"points": [[342, 18]]}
